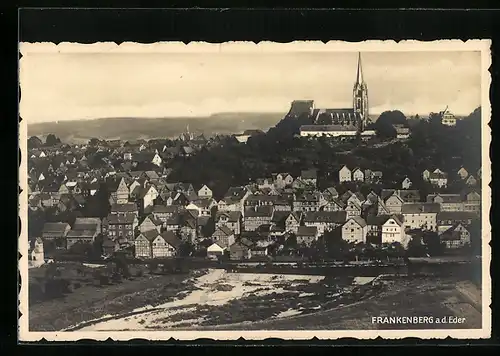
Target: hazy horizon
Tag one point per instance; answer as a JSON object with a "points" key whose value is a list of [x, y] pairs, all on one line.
{"points": [[64, 85]]}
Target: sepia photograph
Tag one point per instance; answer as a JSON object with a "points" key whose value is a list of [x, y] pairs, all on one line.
{"points": [[233, 190]]}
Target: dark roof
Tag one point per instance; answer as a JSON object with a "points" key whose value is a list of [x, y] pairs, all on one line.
{"points": [[128, 218], [416, 208], [57, 227], [309, 174], [307, 231], [87, 233], [359, 220], [260, 211], [326, 216], [165, 209], [171, 239], [233, 216], [456, 215], [327, 128], [124, 208]]}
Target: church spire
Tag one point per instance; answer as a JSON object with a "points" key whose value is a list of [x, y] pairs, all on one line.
{"points": [[359, 77]]}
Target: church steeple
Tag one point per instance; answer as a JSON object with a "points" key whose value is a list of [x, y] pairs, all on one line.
{"points": [[360, 97], [359, 77]]}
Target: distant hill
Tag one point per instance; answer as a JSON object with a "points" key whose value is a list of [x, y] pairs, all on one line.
{"points": [[78, 131]]}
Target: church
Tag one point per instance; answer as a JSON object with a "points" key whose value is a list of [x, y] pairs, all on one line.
{"points": [[337, 122]]}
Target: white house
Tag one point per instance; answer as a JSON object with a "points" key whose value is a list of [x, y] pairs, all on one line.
{"points": [[345, 175], [205, 192], [406, 183], [462, 173], [215, 250], [420, 215], [355, 230], [393, 230], [358, 175]]}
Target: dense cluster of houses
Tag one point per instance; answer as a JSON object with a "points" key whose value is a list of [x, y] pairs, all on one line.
{"points": [[154, 218]]}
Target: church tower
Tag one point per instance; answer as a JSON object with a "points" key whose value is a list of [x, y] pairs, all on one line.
{"points": [[360, 97]]}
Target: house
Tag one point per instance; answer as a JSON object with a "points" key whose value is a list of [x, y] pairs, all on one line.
{"points": [[152, 244], [345, 174], [308, 201], [353, 208], [456, 236], [292, 222], [393, 230], [325, 220], [462, 173], [471, 181], [239, 251], [449, 218], [406, 183], [231, 219], [402, 132], [150, 223], [282, 180], [174, 223], [147, 197], [163, 212], [223, 236], [420, 215], [257, 251], [331, 193], [333, 205], [257, 217], [81, 234], [390, 204], [55, 232], [472, 202], [306, 235], [409, 195], [123, 209], [377, 176], [115, 225], [439, 179], [447, 202], [264, 183], [204, 192], [215, 251], [425, 175], [309, 176], [36, 254], [234, 199], [120, 192], [358, 175], [448, 119], [355, 230]]}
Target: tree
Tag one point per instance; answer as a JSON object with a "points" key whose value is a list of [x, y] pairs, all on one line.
{"points": [[433, 243], [34, 142], [384, 124], [52, 140], [94, 142], [415, 247]]}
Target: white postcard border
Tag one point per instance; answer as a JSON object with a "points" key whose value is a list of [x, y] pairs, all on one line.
{"points": [[483, 46]]}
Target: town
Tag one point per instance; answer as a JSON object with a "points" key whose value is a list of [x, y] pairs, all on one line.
{"points": [[109, 197]]}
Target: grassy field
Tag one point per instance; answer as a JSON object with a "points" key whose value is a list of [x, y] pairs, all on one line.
{"points": [[91, 301], [439, 298]]}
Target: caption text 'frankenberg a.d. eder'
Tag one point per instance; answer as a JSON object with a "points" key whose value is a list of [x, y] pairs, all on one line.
{"points": [[417, 320]]}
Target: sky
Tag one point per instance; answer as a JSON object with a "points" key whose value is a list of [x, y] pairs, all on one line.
{"points": [[95, 82]]}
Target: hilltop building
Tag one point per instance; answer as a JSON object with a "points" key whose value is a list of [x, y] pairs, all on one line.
{"points": [[343, 122]]}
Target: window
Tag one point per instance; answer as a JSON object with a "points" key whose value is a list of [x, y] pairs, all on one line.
{"points": [[352, 230]]}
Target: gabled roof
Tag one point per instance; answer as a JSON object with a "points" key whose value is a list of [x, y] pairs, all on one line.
{"points": [[358, 220], [309, 174], [447, 198], [165, 209], [171, 239], [224, 230], [233, 216]]}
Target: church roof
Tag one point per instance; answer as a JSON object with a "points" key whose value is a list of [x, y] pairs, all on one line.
{"points": [[327, 128]]}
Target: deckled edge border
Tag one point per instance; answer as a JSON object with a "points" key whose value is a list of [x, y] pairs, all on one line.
{"points": [[25, 335]]}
